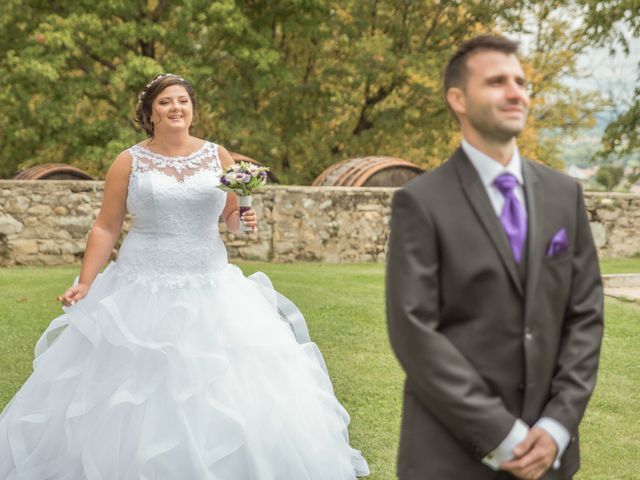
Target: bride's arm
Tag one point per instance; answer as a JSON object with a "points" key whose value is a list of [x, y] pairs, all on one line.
{"points": [[231, 212], [106, 229]]}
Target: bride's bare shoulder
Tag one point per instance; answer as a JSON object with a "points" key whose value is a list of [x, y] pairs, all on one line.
{"points": [[225, 157], [124, 158], [121, 166]]}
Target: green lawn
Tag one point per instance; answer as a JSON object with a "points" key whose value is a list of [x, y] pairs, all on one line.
{"points": [[620, 265], [343, 305]]}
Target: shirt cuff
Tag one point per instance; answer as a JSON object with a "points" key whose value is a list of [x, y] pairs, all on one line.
{"points": [[504, 451], [559, 434]]}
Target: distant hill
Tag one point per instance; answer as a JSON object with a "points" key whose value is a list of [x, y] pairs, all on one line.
{"points": [[579, 148]]}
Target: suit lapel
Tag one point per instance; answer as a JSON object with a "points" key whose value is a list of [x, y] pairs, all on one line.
{"points": [[481, 205], [534, 215]]}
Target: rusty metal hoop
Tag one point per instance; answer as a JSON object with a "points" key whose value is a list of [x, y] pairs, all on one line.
{"points": [[52, 171], [358, 172]]}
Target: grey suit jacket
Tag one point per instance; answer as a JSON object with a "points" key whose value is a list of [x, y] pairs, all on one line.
{"points": [[479, 346]]}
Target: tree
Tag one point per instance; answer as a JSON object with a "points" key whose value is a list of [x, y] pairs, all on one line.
{"points": [[609, 176], [555, 40], [353, 78], [67, 78], [606, 21], [296, 84]]}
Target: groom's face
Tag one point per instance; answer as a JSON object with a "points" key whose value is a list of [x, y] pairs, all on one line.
{"points": [[494, 100]]}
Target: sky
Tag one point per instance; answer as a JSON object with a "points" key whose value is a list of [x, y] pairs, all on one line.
{"points": [[615, 76]]}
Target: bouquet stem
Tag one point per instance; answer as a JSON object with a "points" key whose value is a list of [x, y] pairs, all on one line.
{"points": [[245, 204]]}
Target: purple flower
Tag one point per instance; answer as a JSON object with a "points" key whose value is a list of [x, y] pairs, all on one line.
{"points": [[262, 174], [247, 178], [224, 180]]}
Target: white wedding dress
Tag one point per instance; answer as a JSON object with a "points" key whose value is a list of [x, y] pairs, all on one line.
{"points": [[175, 366]]}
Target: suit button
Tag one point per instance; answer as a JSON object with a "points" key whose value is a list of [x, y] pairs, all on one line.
{"points": [[528, 335]]}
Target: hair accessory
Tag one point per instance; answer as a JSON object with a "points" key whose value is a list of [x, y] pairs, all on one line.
{"points": [[143, 93]]}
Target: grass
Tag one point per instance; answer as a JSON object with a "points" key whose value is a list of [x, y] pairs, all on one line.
{"points": [[344, 308], [620, 265], [609, 431]]}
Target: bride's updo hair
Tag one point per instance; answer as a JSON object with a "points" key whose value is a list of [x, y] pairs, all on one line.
{"points": [[152, 90]]}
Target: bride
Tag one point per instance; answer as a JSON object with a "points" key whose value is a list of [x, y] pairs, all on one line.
{"points": [[170, 364]]}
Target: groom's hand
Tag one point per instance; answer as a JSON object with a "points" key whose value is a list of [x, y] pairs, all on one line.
{"points": [[533, 456]]}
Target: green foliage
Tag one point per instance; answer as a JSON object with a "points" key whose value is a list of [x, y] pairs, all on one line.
{"points": [[558, 110], [609, 176], [338, 80], [608, 23], [296, 84], [623, 134], [633, 176]]}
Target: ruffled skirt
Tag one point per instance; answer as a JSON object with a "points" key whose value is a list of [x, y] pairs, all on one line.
{"points": [[205, 381]]}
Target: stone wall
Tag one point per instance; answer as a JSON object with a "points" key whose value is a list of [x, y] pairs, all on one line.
{"points": [[46, 223], [615, 222]]}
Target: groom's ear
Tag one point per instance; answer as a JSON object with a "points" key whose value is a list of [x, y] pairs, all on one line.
{"points": [[457, 101]]}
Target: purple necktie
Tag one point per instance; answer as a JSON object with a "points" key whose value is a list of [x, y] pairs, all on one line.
{"points": [[513, 216]]}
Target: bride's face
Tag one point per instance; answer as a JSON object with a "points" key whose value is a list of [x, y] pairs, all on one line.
{"points": [[172, 109]]}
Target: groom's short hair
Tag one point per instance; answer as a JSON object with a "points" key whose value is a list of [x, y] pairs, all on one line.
{"points": [[455, 75]]}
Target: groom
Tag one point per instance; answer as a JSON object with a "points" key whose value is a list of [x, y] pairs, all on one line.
{"points": [[494, 297]]}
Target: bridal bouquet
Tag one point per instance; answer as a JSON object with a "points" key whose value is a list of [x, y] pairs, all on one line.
{"points": [[243, 178]]}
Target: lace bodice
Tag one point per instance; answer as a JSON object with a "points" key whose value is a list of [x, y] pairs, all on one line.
{"points": [[175, 206], [204, 158]]}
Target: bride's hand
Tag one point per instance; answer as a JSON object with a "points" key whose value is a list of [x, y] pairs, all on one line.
{"points": [[250, 219], [74, 294]]}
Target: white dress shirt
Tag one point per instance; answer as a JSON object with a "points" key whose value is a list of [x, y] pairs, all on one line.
{"points": [[488, 169]]}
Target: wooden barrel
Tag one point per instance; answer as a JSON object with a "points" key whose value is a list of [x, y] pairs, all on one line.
{"points": [[368, 172], [238, 157], [53, 171]]}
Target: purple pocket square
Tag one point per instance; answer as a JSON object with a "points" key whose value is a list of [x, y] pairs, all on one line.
{"points": [[559, 243]]}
